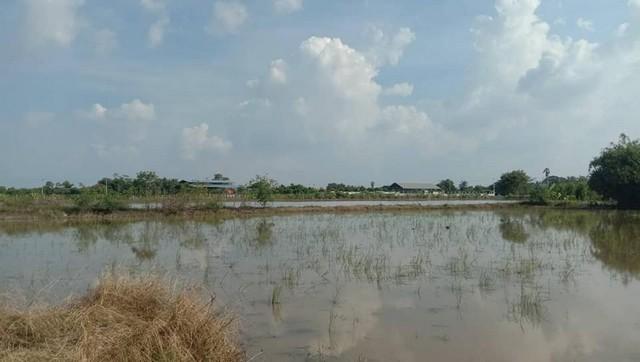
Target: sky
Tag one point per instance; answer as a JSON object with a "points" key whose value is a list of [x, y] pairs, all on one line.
{"points": [[314, 91]]}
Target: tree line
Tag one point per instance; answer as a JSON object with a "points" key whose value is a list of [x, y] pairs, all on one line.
{"points": [[143, 184], [613, 175]]}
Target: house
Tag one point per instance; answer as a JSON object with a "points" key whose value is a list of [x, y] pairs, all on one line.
{"points": [[414, 188], [218, 182]]}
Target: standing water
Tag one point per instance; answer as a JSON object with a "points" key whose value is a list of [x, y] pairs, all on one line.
{"points": [[508, 285]]}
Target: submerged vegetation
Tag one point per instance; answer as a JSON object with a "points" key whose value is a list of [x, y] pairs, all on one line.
{"points": [[122, 319]]}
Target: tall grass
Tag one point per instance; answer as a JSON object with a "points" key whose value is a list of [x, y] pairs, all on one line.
{"points": [[122, 319], [31, 202]]}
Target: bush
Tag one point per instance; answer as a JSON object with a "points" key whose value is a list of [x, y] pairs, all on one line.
{"points": [[107, 204], [98, 203], [539, 195]]}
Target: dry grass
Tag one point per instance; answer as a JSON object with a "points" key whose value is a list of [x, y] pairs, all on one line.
{"points": [[122, 319]]}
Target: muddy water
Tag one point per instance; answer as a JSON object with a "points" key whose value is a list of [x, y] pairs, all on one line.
{"points": [[508, 285]]}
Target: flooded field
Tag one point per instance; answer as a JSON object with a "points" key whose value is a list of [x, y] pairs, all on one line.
{"points": [[506, 285]]}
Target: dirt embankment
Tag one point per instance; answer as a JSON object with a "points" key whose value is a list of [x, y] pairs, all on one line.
{"points": [[55, 215]]}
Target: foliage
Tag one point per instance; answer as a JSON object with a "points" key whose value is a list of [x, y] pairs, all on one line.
{"points": [[479, 189], [59, 188], [447, 186], [98, 203], [262, 188], [615, 173], [464, 187], [144, 184], [513, 183], [335, 187], [555, 188], [295, 189]]}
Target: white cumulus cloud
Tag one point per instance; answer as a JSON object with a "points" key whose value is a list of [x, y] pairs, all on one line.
{"points": [[98, 111], [196, 140], [347, 69], [512, 43], [136, 110], [332, 99], [389, 49], [278, 71], [528, 80]]}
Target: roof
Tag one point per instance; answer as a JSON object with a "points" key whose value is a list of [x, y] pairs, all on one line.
{"points": [[417, 186], [212, 184]]}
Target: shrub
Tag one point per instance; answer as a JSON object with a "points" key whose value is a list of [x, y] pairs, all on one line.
{"points": [[97, 203]]}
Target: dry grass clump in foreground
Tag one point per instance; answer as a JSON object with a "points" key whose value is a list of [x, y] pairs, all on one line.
{"points": [[122, 319]]}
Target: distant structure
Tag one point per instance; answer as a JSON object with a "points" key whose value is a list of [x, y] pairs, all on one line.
{"points": [[218, 182], [414, 188]]}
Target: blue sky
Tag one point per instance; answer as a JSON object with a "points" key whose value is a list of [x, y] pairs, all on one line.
{"points": [[314, 91]]}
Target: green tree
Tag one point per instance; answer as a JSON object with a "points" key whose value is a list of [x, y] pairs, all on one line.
{"points": [[48, 188], [262, 189], [479, 189], [513, 183], [340, 187], [447, 186], [615, 173], [464, 186]]}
